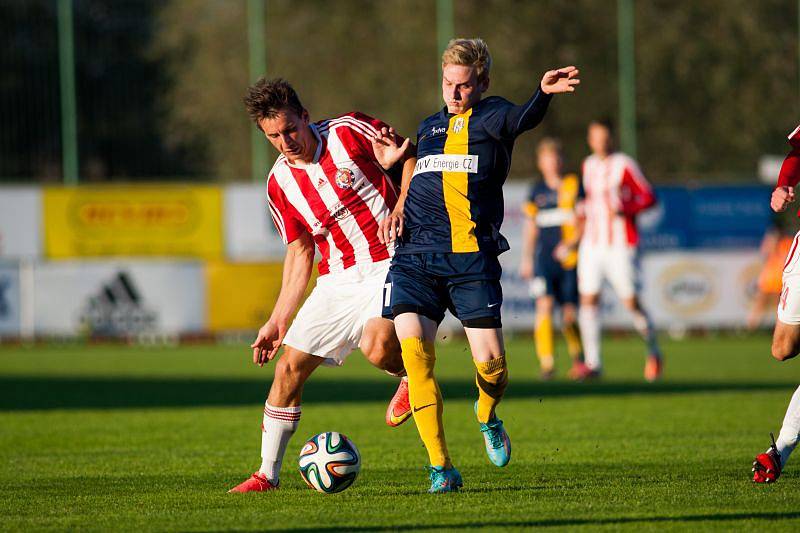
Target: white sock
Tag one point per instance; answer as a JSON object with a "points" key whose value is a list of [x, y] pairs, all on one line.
{"points": [[278, 427], [790, 431], [643, 324], [589, 322]]}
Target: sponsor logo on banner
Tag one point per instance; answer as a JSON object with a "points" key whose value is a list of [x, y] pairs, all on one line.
{"points": [[117, 308], [447, 163], [106, 298], [168, 220], [748, 281], [688, 288]]}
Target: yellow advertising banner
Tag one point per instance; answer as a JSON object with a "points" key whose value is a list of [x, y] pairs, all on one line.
{"points": [[240, 296], [138, 220]]}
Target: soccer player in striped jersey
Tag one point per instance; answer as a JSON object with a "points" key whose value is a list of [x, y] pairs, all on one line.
{"points": [[768, 466], [550, 238], [616, 192], [451, 210], [329, 187]]}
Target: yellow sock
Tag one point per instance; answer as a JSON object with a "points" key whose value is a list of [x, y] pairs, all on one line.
{"points": [[573, 337], [544, 342], [419, 358], [492, 378]]}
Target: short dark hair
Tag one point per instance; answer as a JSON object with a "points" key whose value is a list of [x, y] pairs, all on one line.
{"points": [[605, 122], [266, 98]]}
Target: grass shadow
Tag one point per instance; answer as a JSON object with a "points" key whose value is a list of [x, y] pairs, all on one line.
{"points": [[566, 522], [19, 393]]}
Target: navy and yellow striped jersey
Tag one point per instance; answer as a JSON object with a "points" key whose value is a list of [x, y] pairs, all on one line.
{"points": [[455, 198], [555, 214]]}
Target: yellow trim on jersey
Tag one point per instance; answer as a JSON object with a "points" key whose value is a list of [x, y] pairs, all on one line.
{"points": [[455, 186], [530, 209], [567, 198]]}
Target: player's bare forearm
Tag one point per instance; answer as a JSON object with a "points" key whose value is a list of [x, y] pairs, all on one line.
{"points": [[405, 183], [529, 235], [297, 267], [391, 227]]}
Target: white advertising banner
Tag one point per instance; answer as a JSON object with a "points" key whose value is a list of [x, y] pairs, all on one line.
{"points": [[9, 300], [118, 298], [249, 232], [679, 289], [20, 222]]}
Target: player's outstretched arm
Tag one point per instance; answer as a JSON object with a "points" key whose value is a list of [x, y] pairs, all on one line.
{"points": [[297, 266], [520, 118]]}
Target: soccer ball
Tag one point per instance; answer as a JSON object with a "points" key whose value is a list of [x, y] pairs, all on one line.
{"points": [[329, 462]]}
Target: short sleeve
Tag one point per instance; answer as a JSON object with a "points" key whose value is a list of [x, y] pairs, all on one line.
{"points": [[284, 215]]}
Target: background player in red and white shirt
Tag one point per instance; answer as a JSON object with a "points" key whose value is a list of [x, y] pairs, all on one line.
{"points": [[329, 188], [616, 192], [786, 338]]}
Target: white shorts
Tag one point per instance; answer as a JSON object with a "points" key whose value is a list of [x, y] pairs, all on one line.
{"points": [[332, 319], [617, 264], [789, 302]]}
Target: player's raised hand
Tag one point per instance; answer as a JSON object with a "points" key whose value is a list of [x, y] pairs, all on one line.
{"points": [[386, 148], [391, 227], [561, 80], [781, 198], [269, 340]]}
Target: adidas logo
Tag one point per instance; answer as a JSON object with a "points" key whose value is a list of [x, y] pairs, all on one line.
{"points": [[117, 309]]}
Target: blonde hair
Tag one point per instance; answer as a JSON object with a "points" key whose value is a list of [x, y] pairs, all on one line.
{"points": [[469, 53], [550, 144]]}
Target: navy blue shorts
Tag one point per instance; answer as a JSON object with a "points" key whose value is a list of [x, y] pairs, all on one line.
{"points": [[551, 279], [468, 284]]}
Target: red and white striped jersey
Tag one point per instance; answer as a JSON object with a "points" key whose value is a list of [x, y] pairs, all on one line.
{"points": [[616, 191], [338, 198]]}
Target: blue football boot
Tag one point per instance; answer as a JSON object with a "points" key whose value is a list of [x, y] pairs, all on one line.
{"points": [[444, 480], [498, 445]]}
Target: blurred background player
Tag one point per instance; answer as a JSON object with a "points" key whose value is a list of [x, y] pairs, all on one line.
{"points": [[616, 192], [550, 238], [446, 258], [768, 466], [329, 187], [774, 249]]}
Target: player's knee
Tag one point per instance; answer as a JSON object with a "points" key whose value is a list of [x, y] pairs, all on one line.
{"points": [[385, 355], [289, 372], [492, 376], [782, 350]]}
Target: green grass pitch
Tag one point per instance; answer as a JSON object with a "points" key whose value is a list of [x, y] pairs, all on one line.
{"points": [[132, 438]]}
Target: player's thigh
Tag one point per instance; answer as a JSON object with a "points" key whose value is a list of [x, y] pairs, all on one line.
{"points": [[786, 339], [566, 288], [414, 290], [621, 271]]}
